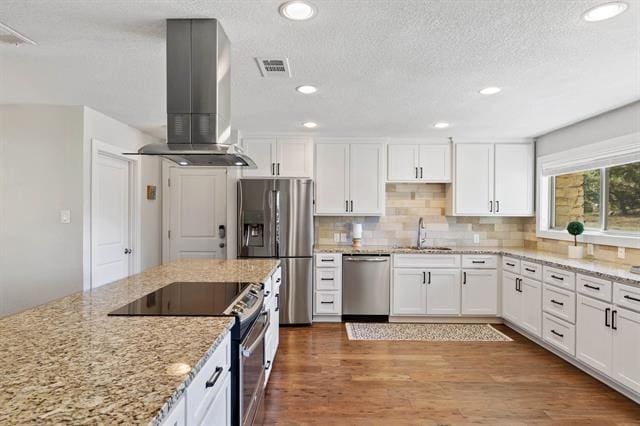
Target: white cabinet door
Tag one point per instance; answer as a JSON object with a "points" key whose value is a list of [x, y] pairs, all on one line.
{"points": [[511, 305], [409, 292], [263, 152], [474, 179], [626, 348], [331, 170], [594, 338], [402, 163], [294, 157], [479, 292], [531, 299], [443, 292], [219, 412], [178, 414], [513, 180], [435, 163], [366, 181]]}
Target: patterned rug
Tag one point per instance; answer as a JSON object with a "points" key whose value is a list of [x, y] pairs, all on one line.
{"points": [[426, 332]]}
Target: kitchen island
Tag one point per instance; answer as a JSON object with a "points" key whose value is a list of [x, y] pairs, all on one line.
{"points": [[67, 362]]}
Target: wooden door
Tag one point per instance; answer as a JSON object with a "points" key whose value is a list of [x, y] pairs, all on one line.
{"points": [[198, 200]]}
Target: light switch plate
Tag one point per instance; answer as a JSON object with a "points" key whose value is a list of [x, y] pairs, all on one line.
{"points": [[336, 237], [621, 252], [476, 238], [343, 237], [65, 216], [590, 249]]}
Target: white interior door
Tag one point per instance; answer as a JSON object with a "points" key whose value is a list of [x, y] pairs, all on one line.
{"points": [[111, 220], [197, 211]]}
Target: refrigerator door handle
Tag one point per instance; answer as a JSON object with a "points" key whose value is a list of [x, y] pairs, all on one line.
{"points": [[276, 217]]}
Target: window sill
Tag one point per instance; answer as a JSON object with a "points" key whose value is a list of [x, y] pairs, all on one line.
{"points": [[593, 237]]}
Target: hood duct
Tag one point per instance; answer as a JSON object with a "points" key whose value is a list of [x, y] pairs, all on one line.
{"points": [[198, 97]]}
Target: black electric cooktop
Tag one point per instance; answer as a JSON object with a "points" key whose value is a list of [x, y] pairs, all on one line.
{"points": [[188, 299]]}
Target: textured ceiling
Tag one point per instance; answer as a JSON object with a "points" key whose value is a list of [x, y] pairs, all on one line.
{"points": [[384, 68]]}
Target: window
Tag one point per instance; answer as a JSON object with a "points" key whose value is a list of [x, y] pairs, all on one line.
{"points": [[605, 199]]}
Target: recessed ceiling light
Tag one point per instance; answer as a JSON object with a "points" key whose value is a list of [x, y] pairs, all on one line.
{"points": [[183, 163], [307, 90], [441, 125], [310, 124], [604, 11], [490, 90], [297, 10]]}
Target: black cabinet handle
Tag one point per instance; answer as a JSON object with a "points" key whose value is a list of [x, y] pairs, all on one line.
{"points": [[268, 365], [557, 334], [511, 264], [346, 205], [614, 320], [557, 303], [278, 170], [497, 206], [517, 284], [326, 279], [478, 261], [326, 260], [429, 282], [557, 277], [273, 169], [464, 281], [324, 303], [529, 270], [592, 287], [424, 277], [214, 378], [491, 206], [606, 317], [416, 173], [631, 298], [277, 302], [420, 172], [351, 206]]}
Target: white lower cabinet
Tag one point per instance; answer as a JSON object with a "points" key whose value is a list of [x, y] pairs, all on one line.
{"points": [[479, 292], [327, 286], [522, 302], [178, 414], [219, 411], [559, 333], [272, 337], [511, 297], [443, 291], [626, 348], [408, 292]]}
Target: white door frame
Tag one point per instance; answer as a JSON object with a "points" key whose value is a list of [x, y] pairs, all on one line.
{"points": [[166, 206], [135, 203]]}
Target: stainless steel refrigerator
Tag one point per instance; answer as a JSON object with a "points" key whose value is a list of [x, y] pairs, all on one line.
{"points": [[276, 221]]}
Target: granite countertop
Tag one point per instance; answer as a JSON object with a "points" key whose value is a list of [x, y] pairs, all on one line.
{"points": [[606, 270], [67, 362]]}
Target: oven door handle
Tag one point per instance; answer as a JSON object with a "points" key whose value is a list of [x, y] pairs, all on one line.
{"points": [[246, 352]]}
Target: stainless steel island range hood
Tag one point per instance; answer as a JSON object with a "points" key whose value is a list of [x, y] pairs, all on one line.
{"points": [[198, 97]]}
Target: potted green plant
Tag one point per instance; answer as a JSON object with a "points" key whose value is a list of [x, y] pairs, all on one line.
{"points": [[575, 228]]}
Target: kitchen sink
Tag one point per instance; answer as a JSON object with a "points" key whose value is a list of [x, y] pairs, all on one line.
{"points": [[425, 248]]}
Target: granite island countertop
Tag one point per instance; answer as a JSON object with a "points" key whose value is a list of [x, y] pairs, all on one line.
{"points": [[67, 362], [605, 270]]}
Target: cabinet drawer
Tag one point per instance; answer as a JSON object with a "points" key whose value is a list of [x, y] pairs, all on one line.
{"points": [[483, 261], [328, 260], [627, 296], [559, 333], [531, 270], [561, 303], [559, 277], [215, 370], [328, 303], [178, 414], [510, 264], [427, 260], [594, 287], [276, 279], [328, 279]]}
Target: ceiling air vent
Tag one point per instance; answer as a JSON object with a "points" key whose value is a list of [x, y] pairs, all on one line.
{"points": [[10, 36], [274, 67]]}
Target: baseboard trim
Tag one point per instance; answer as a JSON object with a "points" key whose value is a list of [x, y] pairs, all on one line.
{"points": [[327, 318], [447, 320], [635, 397]]}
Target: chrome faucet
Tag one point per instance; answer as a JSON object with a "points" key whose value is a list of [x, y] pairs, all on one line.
{"points": [[421, 233]]}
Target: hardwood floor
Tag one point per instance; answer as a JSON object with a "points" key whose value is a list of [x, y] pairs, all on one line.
{"points": [[320, 377]]}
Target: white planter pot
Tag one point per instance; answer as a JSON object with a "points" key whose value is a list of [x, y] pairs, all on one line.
{"points": [[576, 252]]}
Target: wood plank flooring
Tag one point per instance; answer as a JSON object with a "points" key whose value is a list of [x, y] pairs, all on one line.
{"points": [[320, 377]]}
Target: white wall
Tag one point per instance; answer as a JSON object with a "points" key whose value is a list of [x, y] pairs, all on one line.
{"points": [[106, 129], [40, 174], [611, 124]]}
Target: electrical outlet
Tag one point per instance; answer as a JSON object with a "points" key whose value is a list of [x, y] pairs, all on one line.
{"points": [[621, 252], [590, 249], [343, 237], [65, 216], [336, 237], [476, 238]]}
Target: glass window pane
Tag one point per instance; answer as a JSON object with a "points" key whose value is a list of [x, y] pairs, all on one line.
{"points": [[624, 198], [577, 197]]}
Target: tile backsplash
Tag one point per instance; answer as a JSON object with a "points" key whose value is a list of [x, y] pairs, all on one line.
{"points": [[405, 204]]}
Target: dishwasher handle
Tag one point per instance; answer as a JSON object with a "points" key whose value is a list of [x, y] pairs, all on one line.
{"points": [[366, 259]]}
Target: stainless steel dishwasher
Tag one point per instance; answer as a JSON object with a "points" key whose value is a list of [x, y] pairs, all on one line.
{"points": [[365, 284]]}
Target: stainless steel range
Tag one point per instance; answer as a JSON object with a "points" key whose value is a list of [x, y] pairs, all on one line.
{"points": [[242, 300]]}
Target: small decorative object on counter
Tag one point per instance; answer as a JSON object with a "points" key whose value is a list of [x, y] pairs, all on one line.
{"points": [[356, 233], [575, 229]]}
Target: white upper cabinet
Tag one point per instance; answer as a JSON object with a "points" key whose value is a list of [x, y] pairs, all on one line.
{"points": [[349, 179], [419, 163], [279, 157], [492, 179], [513, 179]]}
